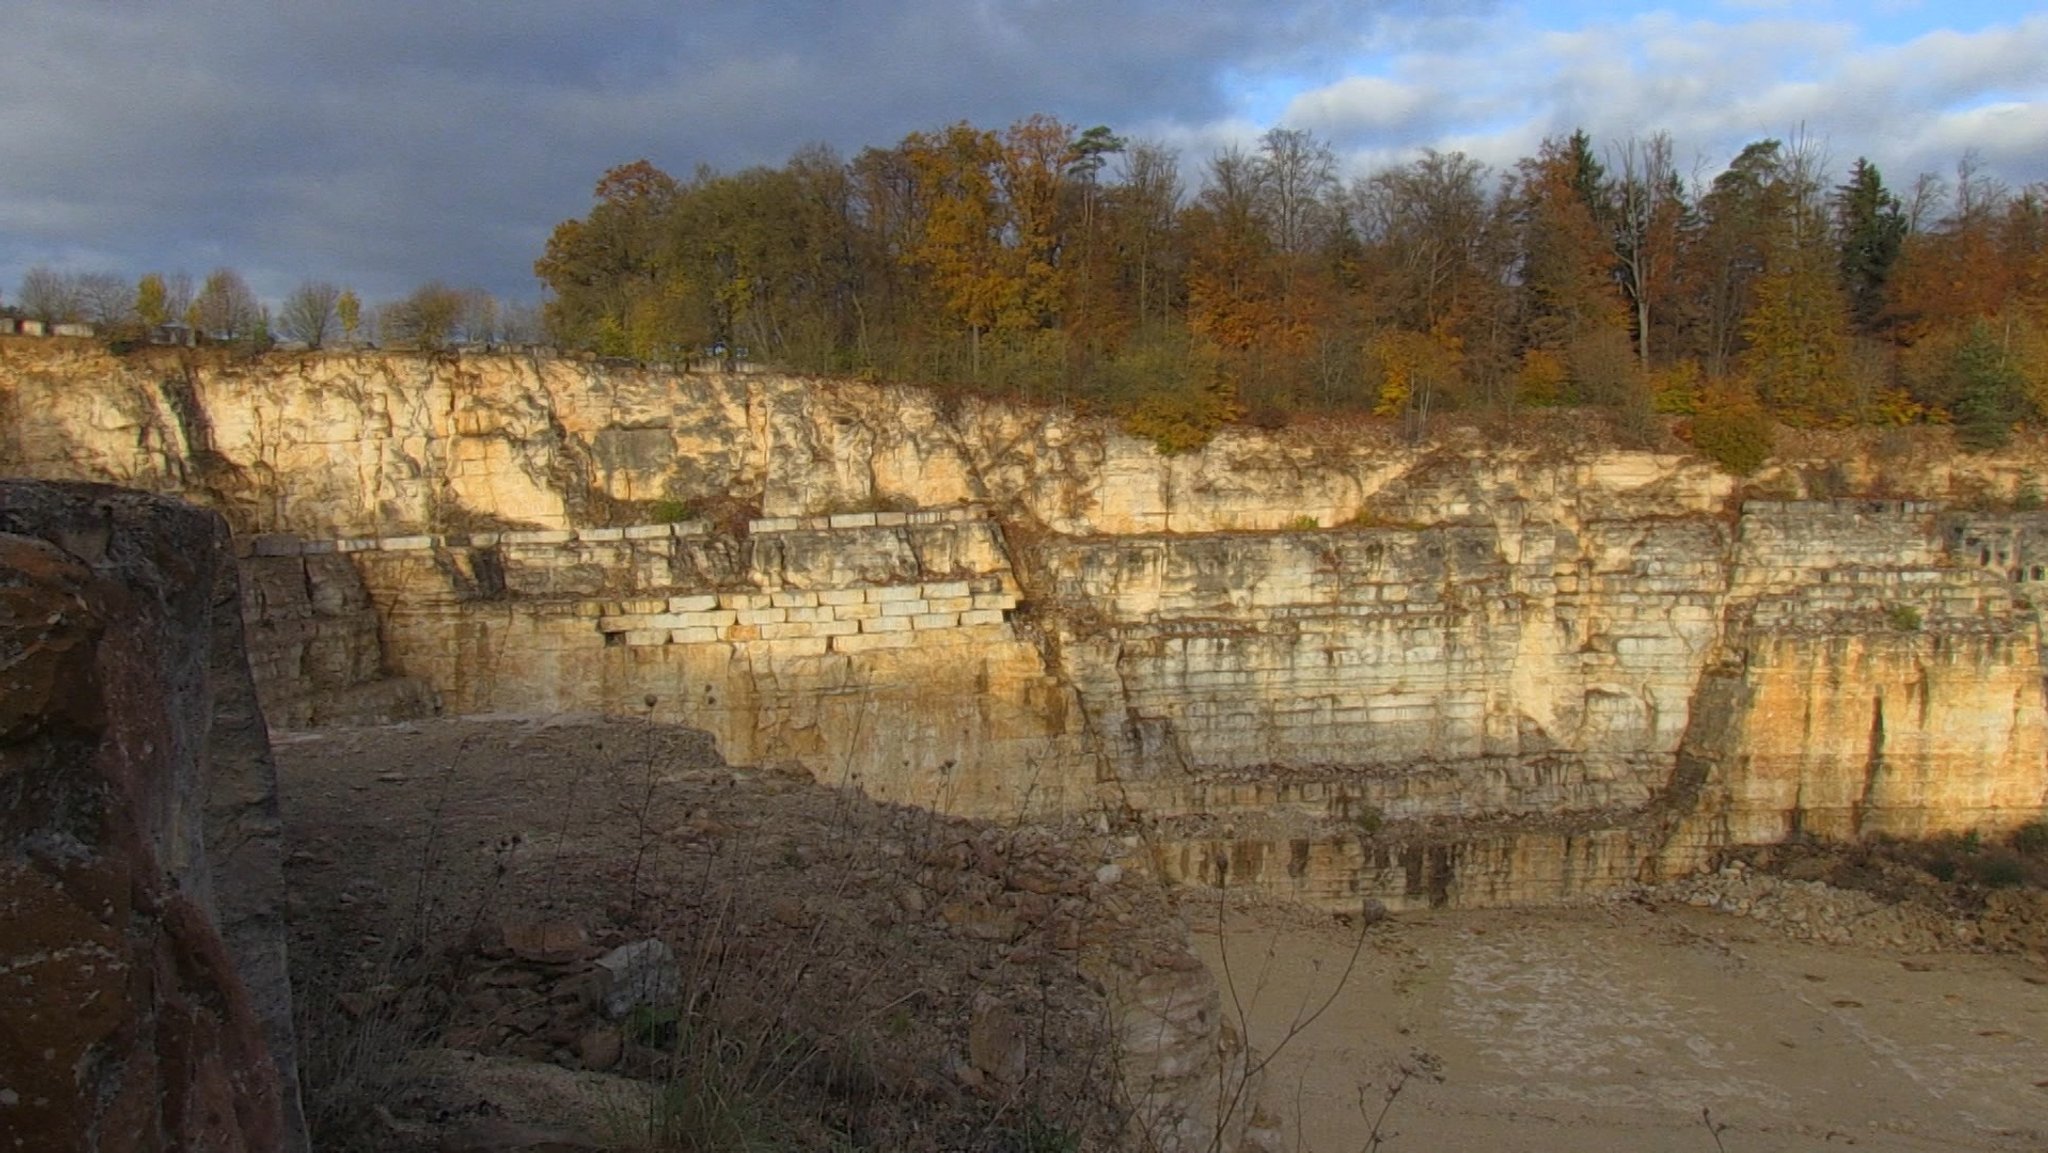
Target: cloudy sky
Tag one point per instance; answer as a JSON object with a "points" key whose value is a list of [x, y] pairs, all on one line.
{"points": [[382, 143]]}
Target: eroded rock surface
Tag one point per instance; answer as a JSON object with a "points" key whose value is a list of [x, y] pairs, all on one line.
{"points": [[144, 1002], [1332, 664]]}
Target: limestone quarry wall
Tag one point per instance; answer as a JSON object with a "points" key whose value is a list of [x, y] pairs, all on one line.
{"points": [[1324, 662]]}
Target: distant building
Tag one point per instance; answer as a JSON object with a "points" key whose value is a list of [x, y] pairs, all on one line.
{"points": [[70, 328], [179, 335]]}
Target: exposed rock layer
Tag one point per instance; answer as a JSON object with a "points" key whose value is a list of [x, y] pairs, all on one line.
{"points": [[1514, 672], [145, 1002]]}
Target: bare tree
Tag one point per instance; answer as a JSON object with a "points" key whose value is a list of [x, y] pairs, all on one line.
{"points": [[50, 296], [107, 299], [1647, 202], [1297, 172], [1147, 196], [309, 313], [479, 317], [178, 297]]}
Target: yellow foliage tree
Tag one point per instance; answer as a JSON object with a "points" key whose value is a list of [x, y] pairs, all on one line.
{"points": [[1415, 369]]}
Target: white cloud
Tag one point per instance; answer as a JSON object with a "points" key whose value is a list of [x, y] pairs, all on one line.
{"points": [[1355, 106]]}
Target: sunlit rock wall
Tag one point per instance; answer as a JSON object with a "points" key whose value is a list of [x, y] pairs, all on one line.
{"points": [[1471, 669]]}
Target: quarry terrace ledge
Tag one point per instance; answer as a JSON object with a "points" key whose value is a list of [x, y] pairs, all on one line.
{"points": [[291, 544]]}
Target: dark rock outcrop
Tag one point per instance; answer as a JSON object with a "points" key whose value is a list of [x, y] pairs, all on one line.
{"points": [[144, 999]]}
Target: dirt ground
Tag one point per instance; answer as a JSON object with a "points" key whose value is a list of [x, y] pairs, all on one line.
{"points": [[926, 974], [852, 975], [1614, 1027]]}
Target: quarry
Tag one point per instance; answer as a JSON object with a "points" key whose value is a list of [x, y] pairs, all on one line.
{"points": [[1522, 722]]}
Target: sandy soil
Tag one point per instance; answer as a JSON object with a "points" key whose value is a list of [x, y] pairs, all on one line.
{"points": [[1612, 1028]]}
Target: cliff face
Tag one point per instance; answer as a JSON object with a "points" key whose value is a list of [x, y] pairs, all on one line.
{"points": [[141, 891], [1516, 671]]}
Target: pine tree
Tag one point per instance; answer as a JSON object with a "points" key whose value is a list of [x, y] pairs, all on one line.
{"points": [[1871, 224]]}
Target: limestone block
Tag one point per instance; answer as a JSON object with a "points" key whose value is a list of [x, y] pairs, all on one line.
{"points": [[703, 603], [996, 601], [809, 615], [981, 617], [775, 524], [717, 619], [543, 537], [835, 629], [696, 636], [840, 597], [892, 593], [600, 534], [871, 642], [783, 632], [650, 532], [793, 599], [793, 647], [743, 602], [886, 625], [944, 589], [951, 604], [644, 637], [763, 616], [852, 520], [935, 621], [906, 608], [856, 612]]}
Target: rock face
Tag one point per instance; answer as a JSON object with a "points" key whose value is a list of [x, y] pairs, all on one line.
{"points": [[1330, 665], [144, 1003]]}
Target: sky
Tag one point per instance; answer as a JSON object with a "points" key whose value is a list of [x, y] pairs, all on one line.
{"points": [[384, 143]]}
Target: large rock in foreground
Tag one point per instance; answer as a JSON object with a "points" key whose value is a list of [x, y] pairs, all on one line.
{"points": [[144, 1000]]}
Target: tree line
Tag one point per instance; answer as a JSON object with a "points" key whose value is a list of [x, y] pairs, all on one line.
{"points": [[1047, 262], [222, 309]]}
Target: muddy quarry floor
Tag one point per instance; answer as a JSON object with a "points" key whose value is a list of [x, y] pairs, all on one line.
{"points": [[870, 977]]}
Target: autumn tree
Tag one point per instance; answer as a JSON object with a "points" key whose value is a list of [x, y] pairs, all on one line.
{"points": [[152, 301], [348, 311], [1797, 326], [1571, 301], [959, 244], [428, 319], [605, 271], [225, 308]]}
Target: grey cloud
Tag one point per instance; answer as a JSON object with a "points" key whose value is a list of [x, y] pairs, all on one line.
{"points": [[388, 142]]}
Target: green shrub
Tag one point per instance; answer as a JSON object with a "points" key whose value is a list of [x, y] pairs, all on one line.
{"points": [[1999, 870], [2031, 839], [667, 511], [1369, 819], [1304, 523], [1733, 432], [1904, 618]]}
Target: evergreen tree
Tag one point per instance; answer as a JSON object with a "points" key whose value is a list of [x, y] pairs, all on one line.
{"points": [[1871, 224]]}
